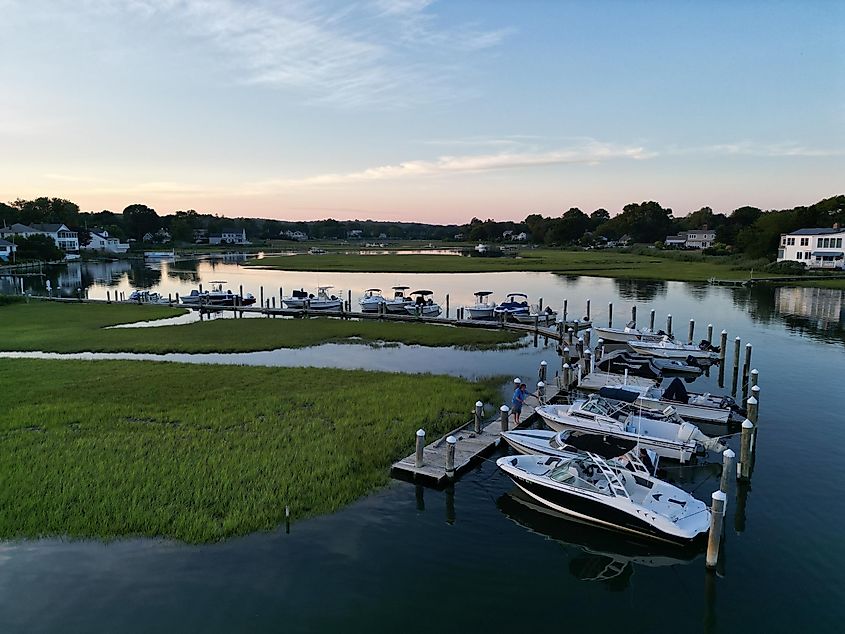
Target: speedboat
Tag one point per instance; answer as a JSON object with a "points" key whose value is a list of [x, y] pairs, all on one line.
{"points": [[586, 486], [322, 301], [399, 300], [147, 297], [689, 405], [371, 301], [629, 333], [516, 304], [664, 432], [423, 305], [482, 309], [217, 297], [669, 349], [623, 452], [542, 317]]}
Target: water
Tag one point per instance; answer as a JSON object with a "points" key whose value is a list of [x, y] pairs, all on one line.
{"points": [[474, 558]]}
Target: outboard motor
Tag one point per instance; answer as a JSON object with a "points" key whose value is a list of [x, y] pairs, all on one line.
{"points": [[688, 431]]}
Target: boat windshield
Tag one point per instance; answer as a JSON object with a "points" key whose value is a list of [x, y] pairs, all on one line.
{"points": [[598, 407], [583, 474]]}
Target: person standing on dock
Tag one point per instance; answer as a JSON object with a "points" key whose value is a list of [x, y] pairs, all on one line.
{"points": [[517, 401]]}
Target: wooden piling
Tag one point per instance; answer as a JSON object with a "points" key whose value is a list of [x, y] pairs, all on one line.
{"points": [[447, 305], [746, 370], [349, 301], [588, 310], [565, 307], [744, 465], [177, 298], [419, 459], [571, 333], [479, 414], [451, 441], [610, 314], [755, 375], [714, 536], [691, 331], [728, 456], [651, 314], [504, 410], [710, 334], [540, 304], [169, 299], [588, 362], [542, 371], [751, 409], [669, 325], [541, 391], [634, 315], [755, 392], [737, 346], [261, 291], [587, 337], [108, 297], [566, 374]]}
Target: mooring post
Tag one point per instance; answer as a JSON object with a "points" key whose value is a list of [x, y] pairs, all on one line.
{"points": [[241, 290], [571, 333], [541, 391], [651, 320], [755, 376], [710, 334], [610, 314], [669, 325], [108, 297], [728, 456], [451, 441], [479, 414], [737, 346], [755, 392], [540, 304], [287, 519], [542, 371], [567, 379], [744, 466], [714, 537], [170, 299], [261, 291], [579, 348], [751, 409], [418, 461], [600, 350], [565, 307], [691, 332], [200, 289], [746, 370], [177, 298], [281, 297], [587, 337], [588, 310], [504, 410], [634, 315], [588, 364], [566, 354]]}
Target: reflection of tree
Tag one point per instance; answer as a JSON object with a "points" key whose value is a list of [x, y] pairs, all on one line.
{"points": [[640, 290], [184, 270], [142, 277]]}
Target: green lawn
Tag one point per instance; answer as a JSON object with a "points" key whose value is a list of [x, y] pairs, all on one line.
{"points": [[72, 327], [201, 452]]}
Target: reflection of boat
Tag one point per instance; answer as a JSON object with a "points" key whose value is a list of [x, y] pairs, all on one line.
{"points": [[399, 301], [482, 309], [371, 301], [672, 350], [217, 297], [322, 301], [608, 555], [629, 333], [589, 488], [423, 305], [669, 437], [516, 304]]}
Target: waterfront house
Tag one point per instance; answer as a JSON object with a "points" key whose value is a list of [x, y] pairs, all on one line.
{"points": [[7, 250], [64, 238], [230, 236], [695, 239], [103, 242], [819, 248], [679, 241], [299, 236], [17, 229]]}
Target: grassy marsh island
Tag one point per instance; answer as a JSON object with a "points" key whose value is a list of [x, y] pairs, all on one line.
{"points": [[71, 327], [117, 448]]}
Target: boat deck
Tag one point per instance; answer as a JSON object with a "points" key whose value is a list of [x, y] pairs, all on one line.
{"points": [[595, 381]]}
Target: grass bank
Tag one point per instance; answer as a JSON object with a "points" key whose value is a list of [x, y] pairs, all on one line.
{"points": [[71, 327], [117, 448]]}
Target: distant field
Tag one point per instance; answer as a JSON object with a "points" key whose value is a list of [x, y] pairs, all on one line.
{"points": [[198, 453], [71, 327]]}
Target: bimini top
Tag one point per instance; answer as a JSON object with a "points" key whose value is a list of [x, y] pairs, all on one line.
{"points": [[423, 293], [604, 446], [324, 288], [373, 290], [483, 293], [517, 295], [400, 288]]}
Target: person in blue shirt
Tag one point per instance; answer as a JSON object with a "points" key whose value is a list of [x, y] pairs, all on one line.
{"points": [[517, 402]]}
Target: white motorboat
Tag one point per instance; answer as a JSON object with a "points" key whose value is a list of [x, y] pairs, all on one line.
{"points": [[669, 349], [669, 436], [483, 308], [308, 301], [516, 304], [423, 305], [629, 333], [569, 442], [217, 297], [399, 301], [586, 486], [689, 405], [147, 297], [372, 300], [542, 317]]}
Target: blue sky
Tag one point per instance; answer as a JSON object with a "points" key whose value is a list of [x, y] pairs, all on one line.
{"points": [[418, 110]]}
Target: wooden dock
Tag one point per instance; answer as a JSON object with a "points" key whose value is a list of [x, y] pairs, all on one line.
{"points": [[471, 446]]}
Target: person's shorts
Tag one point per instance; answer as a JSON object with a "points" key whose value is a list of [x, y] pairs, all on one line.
{"points": [[516, 408]]}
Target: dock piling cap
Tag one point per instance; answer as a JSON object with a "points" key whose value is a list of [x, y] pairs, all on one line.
{"points": [[451, 440], [543, 363], [747, 424], [517, 381], [504, 408], [420, 432], [719, 495], [479, 404], [729, 453]]}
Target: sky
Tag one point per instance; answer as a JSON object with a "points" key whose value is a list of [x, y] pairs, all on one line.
{"points": [[421, 110]]}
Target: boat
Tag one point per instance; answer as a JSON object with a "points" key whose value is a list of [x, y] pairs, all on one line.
{"points": [[629, 333], [399, 301], [482, 309], [669, 349], [217, 297], [158, 255], [516, 304], [423, 305], [569, 442], [644, 366], [689, 405], [665, 432], [309, 301], [542, 317], [316, 251], [371, 301], [588, 487], [147, 297]]}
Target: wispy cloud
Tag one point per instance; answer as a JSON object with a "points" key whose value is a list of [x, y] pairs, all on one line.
{"points": [[371, 52], [751, 148]]}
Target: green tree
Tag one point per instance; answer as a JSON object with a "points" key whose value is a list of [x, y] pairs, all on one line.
{"points": [[37, 247], [48, 210], [139, 219]]}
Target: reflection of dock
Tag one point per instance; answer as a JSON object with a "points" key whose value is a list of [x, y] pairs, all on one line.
{"points": [[470, 447]]}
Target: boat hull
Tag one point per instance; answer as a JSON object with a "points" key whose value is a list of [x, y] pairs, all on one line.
{"points": [[423, 311], [672, 353], [476, 312]]}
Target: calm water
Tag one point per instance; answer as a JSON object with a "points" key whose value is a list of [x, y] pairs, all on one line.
{"points": [[477, 558]]}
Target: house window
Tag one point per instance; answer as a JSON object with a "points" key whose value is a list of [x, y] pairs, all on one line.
{"points": [[780, 254], [783, 241], [805, 242], [838, 243], [799, 256], [808, 255]]}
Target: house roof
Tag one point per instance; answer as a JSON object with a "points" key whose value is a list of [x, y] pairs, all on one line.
{"points": [[5, 243], [19, 228], [49, 227], [815, 232]]}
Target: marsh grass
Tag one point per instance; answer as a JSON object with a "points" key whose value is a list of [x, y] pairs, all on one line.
{"points": [[110, 449], [70, 327]]}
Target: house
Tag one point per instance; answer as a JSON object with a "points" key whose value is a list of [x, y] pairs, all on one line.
{"points": [[163, 235], [299, 236], [624, 241], [200, 236], [355, 234], [679, 241], [64, 238], [17, 229], [700, 238], [819, 248], [520, 237], [230, 236], [7, 250], [507, 235], [148, 237], [101, 241], [459, 236]]}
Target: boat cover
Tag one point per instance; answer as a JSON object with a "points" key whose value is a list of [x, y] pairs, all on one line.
{"points": [[619, 394], [676, 392], [605, 446]]}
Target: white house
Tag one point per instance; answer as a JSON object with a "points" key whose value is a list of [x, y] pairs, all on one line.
{"points": [[816, 248], [695, 239], [229, 237], [7, 250], [355, 234], [101, 241], [64, 238], [294, 235]]}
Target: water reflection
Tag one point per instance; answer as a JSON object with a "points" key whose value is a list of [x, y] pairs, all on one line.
{"points": [[640, 290], [604, 556]]}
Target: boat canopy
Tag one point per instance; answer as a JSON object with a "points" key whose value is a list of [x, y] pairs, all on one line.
{"points": [[373, 290], [400, 288], [422, 293], [483, 293], [324, 288], [619, 394], [605, 446], [517, 295]]}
